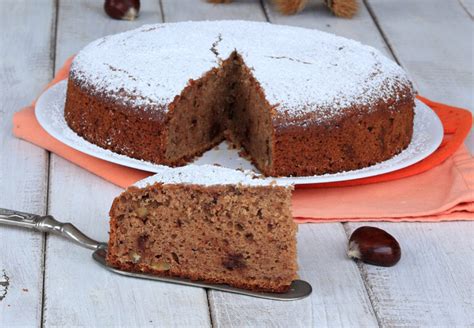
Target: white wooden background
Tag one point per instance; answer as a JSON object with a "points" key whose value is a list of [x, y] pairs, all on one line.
{"points": [[46, 281]]}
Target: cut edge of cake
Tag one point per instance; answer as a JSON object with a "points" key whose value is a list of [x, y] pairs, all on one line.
{"points": [[226, 103]]}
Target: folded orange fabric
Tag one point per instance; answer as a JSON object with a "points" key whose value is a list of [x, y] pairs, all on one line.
{"points": [[446, 192], [438, 188]]}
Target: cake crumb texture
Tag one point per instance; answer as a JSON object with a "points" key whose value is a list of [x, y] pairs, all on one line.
{"points": [[243, 236]]}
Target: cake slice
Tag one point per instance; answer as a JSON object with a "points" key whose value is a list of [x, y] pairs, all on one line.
{"points": [[206, 223]]}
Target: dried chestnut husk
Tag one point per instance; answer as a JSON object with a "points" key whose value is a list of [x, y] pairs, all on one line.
{"points": [[374, 246], [122, 9]]}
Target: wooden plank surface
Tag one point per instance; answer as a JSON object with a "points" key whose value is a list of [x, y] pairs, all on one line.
{"points": [[77, 291], [25, 66], [432, 285], [339, 299]]}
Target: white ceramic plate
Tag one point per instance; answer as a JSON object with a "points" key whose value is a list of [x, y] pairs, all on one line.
{"points": [[427, 136]]}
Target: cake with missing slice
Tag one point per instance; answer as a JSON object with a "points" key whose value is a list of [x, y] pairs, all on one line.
{"points": [[206, 223], [299, 102]]}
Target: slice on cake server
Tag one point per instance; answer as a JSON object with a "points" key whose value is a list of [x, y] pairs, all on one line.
{"points": [[219, 243]]}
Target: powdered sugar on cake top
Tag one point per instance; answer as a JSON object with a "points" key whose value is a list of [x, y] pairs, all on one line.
{"points": [[300, 70], [208, 175]]}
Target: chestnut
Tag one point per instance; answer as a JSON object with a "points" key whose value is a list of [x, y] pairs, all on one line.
{"points": [[374, 246], [122, 9]]}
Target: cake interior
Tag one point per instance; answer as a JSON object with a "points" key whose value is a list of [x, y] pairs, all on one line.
{"points": [[238, 235], [226, 103]]}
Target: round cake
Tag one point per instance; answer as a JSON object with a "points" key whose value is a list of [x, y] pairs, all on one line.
{"points": [[298, 102]]}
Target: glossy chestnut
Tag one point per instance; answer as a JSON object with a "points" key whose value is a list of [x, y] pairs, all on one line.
{"points": [[122, 9], [374, 246]]}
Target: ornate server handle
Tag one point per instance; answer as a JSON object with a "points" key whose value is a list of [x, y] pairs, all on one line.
{"points": [[47, 224]]}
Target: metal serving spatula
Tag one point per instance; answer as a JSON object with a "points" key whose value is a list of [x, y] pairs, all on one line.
{"points": [[299, 289]]}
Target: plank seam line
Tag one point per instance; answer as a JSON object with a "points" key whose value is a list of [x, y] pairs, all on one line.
{"points": [[54, 35], [461, 2], [45, 237], [162, 11], [43, 283], [52, 54], [365, 279], [379, 28], [264, 9], [209, 307]]}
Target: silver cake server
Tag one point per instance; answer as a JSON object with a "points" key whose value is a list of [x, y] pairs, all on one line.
{"points": [[299, 289]]}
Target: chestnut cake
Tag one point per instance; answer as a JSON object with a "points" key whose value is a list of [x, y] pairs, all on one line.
{"points": [[299, 102], [206, 223]]}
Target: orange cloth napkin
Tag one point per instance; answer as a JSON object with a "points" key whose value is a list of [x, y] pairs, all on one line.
{"points": [[439, 188]]}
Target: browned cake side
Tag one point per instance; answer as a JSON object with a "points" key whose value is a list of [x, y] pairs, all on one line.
{"points": [[192, 126], [115, 126], [229, 103], [361, 139], [236, 235]]}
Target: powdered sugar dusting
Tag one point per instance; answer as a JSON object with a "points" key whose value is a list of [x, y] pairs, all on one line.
{"points": [[208, 175], [300, 70]]}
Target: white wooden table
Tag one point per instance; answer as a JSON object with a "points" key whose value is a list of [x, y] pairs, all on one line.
{"points": [[45, 280]]}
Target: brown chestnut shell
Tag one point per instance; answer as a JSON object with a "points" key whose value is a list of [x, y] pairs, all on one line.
{"points": [[122, 9], [374, 246]]}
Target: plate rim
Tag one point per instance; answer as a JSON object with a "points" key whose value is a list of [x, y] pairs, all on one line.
{"points": [[59, 89]]}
